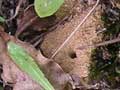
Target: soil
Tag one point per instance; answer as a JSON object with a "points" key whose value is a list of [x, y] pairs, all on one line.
{"points": [[71, 59]]}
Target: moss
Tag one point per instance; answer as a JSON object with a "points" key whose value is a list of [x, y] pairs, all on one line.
{"points": [[105, 59]]}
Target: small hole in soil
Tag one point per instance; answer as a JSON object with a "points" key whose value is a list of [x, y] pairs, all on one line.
{"points": [[72, 55]]}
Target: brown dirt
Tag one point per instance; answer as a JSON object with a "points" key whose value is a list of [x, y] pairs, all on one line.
{"points": [[85, 36]]}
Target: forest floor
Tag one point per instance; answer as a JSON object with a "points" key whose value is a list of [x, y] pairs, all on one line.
{"points": [[86, 59]]}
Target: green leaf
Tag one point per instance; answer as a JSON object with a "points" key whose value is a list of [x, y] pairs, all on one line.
{"points": [[27, 64], [1, 88], [2, 19], [45, 8]]}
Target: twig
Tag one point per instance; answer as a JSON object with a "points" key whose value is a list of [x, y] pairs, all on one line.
{"points": [[19, 31], [76, 29], [31, 5], [16, 11], [38, 38], [100, 44], [101, 31]]}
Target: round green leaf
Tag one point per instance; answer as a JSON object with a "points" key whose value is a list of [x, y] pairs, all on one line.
{"points": [[45, 8]]}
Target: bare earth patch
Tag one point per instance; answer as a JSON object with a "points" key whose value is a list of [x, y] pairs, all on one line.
{"points": [[70, 58]]}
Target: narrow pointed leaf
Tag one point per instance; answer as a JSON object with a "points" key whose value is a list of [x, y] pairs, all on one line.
{"points": [[2, 19], [27, 64], [1, 88]]}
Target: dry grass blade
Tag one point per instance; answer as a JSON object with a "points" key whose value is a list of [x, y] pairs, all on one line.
{"points": [[76, 29], [101, 44]]}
